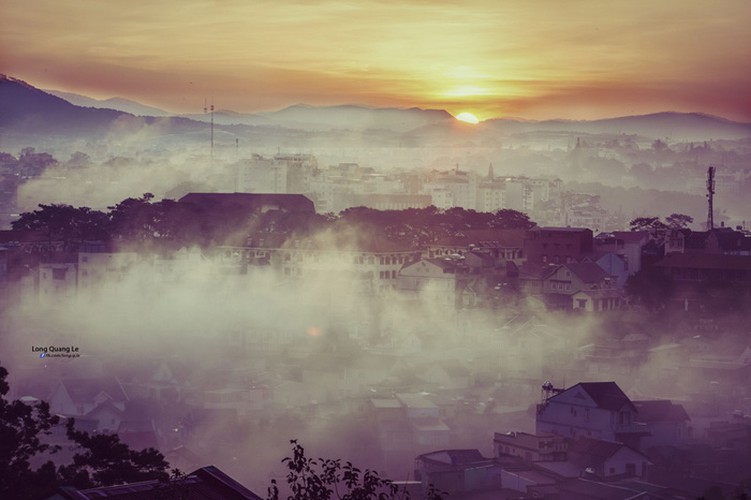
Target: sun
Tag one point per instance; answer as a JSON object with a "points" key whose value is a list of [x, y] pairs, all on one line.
{"points": [[467, 118]]}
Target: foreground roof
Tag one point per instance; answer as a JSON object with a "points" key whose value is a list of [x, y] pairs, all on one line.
{"points": [[206, 483]]}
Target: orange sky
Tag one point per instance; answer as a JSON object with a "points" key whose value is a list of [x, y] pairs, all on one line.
{"points": [[525, 58]]}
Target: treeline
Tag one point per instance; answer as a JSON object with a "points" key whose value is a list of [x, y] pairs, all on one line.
{"points": [[169, 225]]}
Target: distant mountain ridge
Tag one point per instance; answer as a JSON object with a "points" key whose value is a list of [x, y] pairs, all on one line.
{"points": [[116, 103], [26, 110], [664, 124]]}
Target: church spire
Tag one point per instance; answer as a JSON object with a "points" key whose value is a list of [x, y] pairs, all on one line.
{"points": [[491, 176]]}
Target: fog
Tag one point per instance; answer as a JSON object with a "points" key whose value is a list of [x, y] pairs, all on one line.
{"points": [[257, 357], [323, 344]]}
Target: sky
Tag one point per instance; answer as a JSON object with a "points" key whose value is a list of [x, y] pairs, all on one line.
{"points": [[535, 59]]}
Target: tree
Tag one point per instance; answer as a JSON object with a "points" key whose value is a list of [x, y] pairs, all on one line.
{"points": [[21, 427], [649, 224], [105, 460], [327, 479], [507, 218], [65, 223], [678, 221], [102, 460]]}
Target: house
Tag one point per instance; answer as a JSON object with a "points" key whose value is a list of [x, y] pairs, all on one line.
{"points": [[156, 381], [500, 244], [556, 245], [457, 472], [604, 458], [599, 410], [103, 267], [437, 280], [613, 264], [80, 396], [57, 280], [668, 423], [525, 478], [579, 285], [204, 483], [530, 447], [704, 279], [628, 244]]}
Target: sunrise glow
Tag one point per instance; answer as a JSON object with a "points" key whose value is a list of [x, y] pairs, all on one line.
{"points": [[545, 59], [467, 118]]}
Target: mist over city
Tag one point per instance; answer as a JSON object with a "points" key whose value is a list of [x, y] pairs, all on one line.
{"points": [[492, 251]]}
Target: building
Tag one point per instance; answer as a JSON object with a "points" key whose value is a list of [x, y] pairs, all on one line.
{"points": [[457, 472], [581, 286], [248, 203], [556, 245], [605, 459], [205, 483], [437, 280], [598, 410], [667, 423], [530, 447], [628, 244]]}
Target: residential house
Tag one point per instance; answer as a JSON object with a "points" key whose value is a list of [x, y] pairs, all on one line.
{"points": [[604, 458], [103, 267], [667, 423], [102, 399], [500, 244], [437, 280], [613, 264], [57, 281], [694, 275], [599, 410], [628, 244], [585, 286], [457, 472], [530, 447], [556, 245]]}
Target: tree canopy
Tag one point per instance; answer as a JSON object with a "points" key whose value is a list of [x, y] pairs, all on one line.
{"points": [[332, 479], [100, 460], [170, 225]]}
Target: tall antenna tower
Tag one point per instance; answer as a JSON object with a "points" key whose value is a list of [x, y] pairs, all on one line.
{"points": [[710, 198], [212, 126]]}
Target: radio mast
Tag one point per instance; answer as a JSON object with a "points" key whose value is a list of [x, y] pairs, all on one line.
{"points": [[212, 127], [710, 196]]}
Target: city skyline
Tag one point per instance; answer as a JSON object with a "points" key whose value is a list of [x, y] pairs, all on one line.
{"points": [[538, 60]]}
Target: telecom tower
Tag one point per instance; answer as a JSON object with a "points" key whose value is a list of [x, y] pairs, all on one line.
{"points": [[710, 196], [212, 127]]}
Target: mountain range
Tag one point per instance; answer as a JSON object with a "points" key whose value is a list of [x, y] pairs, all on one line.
{"points": [[26, 111]]}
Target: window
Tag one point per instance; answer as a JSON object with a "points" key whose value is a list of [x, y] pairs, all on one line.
{"points": [[58, 274]]}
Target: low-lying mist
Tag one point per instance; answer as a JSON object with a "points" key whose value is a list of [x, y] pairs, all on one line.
{"points": [[322, 343]]}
